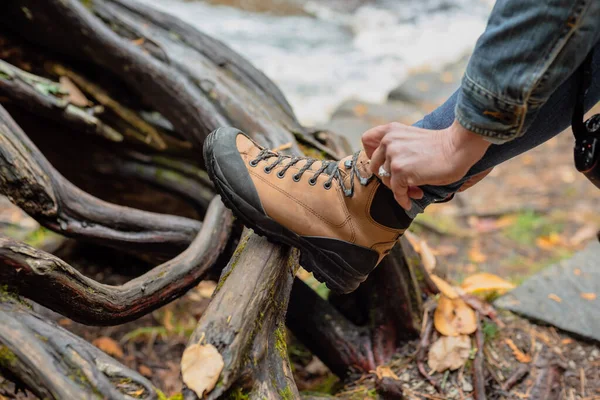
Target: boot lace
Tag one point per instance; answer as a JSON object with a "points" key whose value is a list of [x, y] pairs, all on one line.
{"points": [[330, 168]]}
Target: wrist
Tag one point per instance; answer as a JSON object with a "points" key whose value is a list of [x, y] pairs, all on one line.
{"points": [[465, 141]]}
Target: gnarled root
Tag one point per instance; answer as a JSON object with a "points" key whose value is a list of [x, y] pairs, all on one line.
{"points": [[54, 363]]}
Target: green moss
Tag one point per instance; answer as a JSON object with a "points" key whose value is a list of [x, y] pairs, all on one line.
{"points": [[312, 152], [87, 3], [286, 394], [233, 263], [280, 341], [8, 294], [162, 396], [238, 394], [7, 357], [490, 330]]}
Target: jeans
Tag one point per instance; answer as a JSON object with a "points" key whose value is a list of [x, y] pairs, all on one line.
{"points": [[553, 118]]}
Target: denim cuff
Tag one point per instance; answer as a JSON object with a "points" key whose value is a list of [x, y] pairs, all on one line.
{"points": [[486, 114]]}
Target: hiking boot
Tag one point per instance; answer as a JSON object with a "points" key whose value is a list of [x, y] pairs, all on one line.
{"points": [[340, 216]]}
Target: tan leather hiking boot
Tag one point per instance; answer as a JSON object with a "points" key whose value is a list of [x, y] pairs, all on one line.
{"points": [[338, 214]]}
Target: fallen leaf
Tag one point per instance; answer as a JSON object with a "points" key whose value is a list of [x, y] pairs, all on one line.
{"points": [[588, 296], [453, 317], [566, 341], [519, 355], [486, 282], [109, 346], [444, 287], [476, 256], [554, 297], [449, 352], [206, 289], [385, 372], [136, 393], [445, 250], [577, 271], [201, 366], [144, 370], [316, 367], [427, 257], [548, 242], [285, 146], [138, 41]]}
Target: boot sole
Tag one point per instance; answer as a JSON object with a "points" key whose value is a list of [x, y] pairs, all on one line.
{"points": [[330, 268]]}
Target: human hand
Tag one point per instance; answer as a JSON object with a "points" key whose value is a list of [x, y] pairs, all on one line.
{"points": [[415, 156]]}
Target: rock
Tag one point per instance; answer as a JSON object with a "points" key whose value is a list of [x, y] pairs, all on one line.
{"points": [[428, 89], [566, 295], [353, 118]]}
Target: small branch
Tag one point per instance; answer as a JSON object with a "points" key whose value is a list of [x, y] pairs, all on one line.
{"points": [[478, 370], [521, 372], [425, 342]]}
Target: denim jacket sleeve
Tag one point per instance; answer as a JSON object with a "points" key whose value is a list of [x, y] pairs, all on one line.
{"points": [[529, 48]]}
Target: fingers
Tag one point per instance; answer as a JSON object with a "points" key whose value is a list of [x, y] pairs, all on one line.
{"points": [[372, 138], [415, 192], [378, 159], [400, 190]]}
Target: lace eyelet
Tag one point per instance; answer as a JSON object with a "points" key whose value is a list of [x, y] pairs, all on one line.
{"points": [[253, 163], [327, 186], [296, 178], [312, 182], [280, 175], [267, 170]]}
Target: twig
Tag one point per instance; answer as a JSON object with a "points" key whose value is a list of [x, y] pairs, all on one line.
{"points": [[482, 307], [516, 377], [424, 343], [478, 378]]}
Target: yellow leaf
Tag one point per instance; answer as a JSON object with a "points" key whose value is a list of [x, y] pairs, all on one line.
{"points": [[476, 256], [486, 282], [519, 355], [427, 257], [588, 296], [109, 346], [554, 297], [548, 242], [453, 317], [385, 372], [201, 366], [449, 352], [444, 287]]}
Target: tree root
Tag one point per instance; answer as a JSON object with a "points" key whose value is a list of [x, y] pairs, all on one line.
{"points": [[50, 281], [33, 184], [54, 363], [245, 322]]}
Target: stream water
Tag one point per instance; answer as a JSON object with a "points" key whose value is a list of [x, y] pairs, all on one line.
{"points": [[324, 57]]}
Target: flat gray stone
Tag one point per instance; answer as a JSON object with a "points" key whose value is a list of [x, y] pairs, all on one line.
{"points": [[353, 118], [428, 89], [566, 295]]}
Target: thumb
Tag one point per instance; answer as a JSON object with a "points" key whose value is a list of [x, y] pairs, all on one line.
{"points": [[372, 138]]}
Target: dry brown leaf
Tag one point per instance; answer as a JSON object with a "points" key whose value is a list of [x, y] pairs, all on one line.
{"points": [[589, 296], [444, 287], [109, 346], [144, 370], [554, 297], [449, 352], [519, 355], [453, 317], [485, 282], [75, 96], [201, 366], [427, 257], [385, 372]]}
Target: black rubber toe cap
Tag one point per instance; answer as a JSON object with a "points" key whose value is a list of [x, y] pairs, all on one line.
{"points": [[228, 166]]}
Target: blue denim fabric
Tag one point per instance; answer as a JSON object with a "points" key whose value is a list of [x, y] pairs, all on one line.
{"points": [[529, 48], [553, 117]]}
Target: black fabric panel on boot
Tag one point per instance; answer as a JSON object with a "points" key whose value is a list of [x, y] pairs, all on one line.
{"points": [[386, 211]]}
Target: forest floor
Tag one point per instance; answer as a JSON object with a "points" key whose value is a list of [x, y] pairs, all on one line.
{"points": [[529, 213]]}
